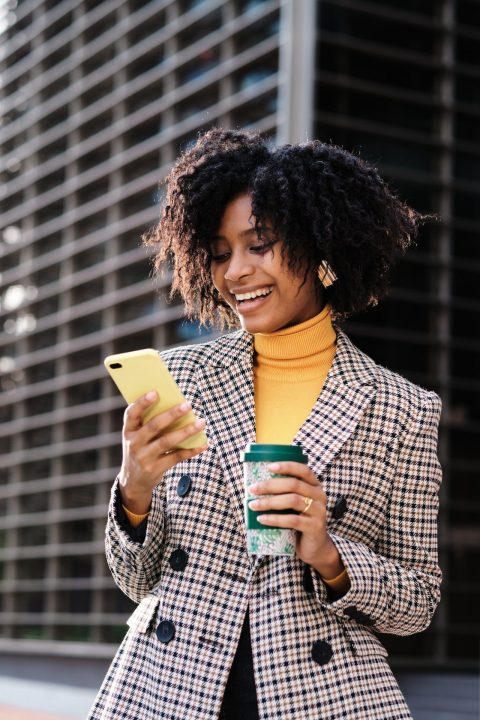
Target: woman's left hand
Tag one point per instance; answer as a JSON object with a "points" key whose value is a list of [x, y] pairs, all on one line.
{"points": [[292, 491]]}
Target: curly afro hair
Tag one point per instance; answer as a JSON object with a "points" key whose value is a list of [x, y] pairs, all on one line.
{"points": [[323, 202]]}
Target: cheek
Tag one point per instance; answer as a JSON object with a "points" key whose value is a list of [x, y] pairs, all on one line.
{"points": [[215, 278], [218, 283]]}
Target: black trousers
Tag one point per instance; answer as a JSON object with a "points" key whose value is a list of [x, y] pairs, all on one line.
{"points": [[240, 699]]}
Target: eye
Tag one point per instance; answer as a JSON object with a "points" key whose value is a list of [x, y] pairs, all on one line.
{"points": [[219, 257], [263, 247]]}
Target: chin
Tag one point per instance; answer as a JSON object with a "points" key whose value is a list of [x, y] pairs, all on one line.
{"points": [[258, 326]]}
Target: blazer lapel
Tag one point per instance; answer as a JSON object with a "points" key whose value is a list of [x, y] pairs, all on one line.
{"points": [[227, 382], [348, 389]]}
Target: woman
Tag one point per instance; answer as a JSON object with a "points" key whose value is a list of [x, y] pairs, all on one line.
{"points": [[279, 241]]}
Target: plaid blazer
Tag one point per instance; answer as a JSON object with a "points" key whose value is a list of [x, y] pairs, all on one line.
{"points": [[371, 438]]}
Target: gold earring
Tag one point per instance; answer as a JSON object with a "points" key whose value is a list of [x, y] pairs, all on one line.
{"points": [[325, 274]]}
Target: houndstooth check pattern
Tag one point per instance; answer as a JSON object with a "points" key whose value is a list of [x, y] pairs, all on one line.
{"points": [[371, 438]]}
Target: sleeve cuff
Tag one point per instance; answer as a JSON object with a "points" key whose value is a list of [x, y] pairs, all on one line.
{"points": [[138, 533], [340, 583], [133, 518]]}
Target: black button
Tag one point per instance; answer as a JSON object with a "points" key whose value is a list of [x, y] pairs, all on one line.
{"points": [[165, 631], [321, 652], [184, 485], [340, 507], [354, 614], [307, 580], [178, 559]]}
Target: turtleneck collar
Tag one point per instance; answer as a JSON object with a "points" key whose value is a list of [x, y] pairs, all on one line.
{"points": [[303, 342]]}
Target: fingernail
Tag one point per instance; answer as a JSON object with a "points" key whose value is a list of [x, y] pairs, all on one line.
{"points": [[253, 489], [151, 395], [185, 406], [199, 423], [273, 466]]}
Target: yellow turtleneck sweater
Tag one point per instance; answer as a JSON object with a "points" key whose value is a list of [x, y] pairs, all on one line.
{"points": [[289, 372]]}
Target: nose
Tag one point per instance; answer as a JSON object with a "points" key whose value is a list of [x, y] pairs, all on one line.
{"points": [[240, 265]]}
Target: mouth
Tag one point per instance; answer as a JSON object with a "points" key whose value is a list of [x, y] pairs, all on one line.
{"points": [[252, 300], [253, 295]]}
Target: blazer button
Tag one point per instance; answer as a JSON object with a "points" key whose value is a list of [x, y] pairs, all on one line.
{"points": [[340, 507], [307, 581], [165, 631], [321, 652], [178, 559], [354, 614], [184, 485]]}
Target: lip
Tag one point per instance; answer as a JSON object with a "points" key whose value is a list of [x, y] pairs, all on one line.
{"points": [[242, 291], [248, 306]]}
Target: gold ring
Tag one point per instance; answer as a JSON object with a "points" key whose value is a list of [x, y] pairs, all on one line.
{"points": [[308, 501]]}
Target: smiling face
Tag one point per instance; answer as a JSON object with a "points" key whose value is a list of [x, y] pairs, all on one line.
{"points": [[252, 277]]}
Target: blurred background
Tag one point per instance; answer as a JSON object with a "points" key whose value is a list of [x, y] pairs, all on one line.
{"points": [[97, 99]]}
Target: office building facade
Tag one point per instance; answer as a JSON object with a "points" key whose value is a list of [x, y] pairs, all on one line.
{"points": [[97, 100]]}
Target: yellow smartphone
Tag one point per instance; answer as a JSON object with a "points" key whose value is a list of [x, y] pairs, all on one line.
{"points": [[135, 373]]}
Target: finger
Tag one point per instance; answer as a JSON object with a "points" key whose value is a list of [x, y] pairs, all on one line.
{"points": [[295, 469], [132, 419], [148, 454], [292, 501], [171, 440], [155, 467], [292, 522], [160, 422], [172, 458], [283, 485], [310, 526]]}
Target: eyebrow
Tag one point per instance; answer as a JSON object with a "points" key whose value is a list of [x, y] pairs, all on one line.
{"points": [[243, 233]]}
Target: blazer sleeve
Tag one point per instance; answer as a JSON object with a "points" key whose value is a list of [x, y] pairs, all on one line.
{"points": [[395, 587], [135, 565]]}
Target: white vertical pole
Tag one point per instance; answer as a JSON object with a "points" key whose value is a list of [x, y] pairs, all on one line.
{"points": [[297, 71]]}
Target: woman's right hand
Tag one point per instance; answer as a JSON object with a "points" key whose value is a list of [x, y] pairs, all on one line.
{"points": [[148, 450]]}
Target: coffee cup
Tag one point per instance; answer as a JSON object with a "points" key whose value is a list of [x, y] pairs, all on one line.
{"points": [[262, 539]]}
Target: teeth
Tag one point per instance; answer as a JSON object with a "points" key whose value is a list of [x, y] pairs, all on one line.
{"points": [[251, 295]]}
